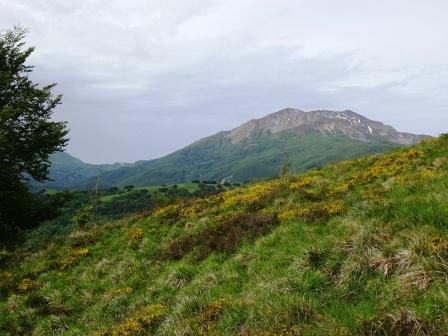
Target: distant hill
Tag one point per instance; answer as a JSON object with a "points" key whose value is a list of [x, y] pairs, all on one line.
{"points": [[259, 148], [68, 172]]}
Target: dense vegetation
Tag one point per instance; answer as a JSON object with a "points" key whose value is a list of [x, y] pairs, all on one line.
{"points": [[354, 248], [75, 208], [68, 172], [27, 134]]}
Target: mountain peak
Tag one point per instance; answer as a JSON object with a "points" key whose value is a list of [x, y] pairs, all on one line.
{"points": [[348, 123]]}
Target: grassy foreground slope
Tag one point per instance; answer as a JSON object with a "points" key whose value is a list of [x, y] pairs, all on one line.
{"points": [[354, 248]]}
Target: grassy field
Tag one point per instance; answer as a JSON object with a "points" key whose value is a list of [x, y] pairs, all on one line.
{"points": [[191, 187], [354, 248]]}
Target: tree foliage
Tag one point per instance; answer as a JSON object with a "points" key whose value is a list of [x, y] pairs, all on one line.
{"points": [[27, 134]]}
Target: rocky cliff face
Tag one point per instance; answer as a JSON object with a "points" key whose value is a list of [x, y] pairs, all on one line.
{"points": [[348, 123]]}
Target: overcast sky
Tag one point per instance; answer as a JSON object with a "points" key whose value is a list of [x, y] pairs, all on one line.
{"points": [[143, 78]]}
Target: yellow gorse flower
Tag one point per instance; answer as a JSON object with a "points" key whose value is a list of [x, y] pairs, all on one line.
{"points": [[314, 211], [249, 195], [304, 182], [70, 260], [25, 285], [135, 235], [124, 291], [137, 324], [6, 276]]}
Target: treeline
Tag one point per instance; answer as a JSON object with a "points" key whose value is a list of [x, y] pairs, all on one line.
{"points": [[83, 207]]}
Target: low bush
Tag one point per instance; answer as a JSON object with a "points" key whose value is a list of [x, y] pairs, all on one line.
{"points": [[73, 258], [405, 323], [140, 324], [135, 236], [224, 237]]}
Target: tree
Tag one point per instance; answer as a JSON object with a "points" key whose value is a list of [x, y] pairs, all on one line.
{"points": [[285, 169], [27, 134]]}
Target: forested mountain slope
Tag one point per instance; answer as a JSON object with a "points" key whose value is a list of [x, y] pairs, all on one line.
{"points": [[69, 172], [260, 147]]}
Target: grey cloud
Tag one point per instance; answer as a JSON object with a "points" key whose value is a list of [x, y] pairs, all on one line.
{"points": [[141, 79]]}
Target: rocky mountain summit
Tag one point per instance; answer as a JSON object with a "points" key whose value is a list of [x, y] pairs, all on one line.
{"points": [[254, 150], [346, 123]]}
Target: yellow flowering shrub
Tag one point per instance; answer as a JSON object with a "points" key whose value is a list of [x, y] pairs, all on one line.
{"points": [[214, 309], [373, 173], [72, 259], [334, 208], [187, 210], [432, 141], [5, 276], [341, 188], [162, 212], [101, 332], [288, 214], [191, 212], [304, 182], [401, 157], [152, 313], [137, 325], [123, 291], [135, 235], [169, 213], [25, 285], [318, 211], [437, 245], [311, 187], [428, 174], [130, 327], [208, 315], [386, 166], [250, 195], [422, 176], [313, 212]]}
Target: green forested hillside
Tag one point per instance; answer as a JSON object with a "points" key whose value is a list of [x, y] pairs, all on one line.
{"points": [[261, 156], [67, 172], [353, 248]]}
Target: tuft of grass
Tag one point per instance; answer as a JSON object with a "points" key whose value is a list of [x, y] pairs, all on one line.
{"points": [[404, 322]]}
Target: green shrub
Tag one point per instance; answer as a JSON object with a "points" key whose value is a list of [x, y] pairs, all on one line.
{"points": [[83, 216], [405, 323], [224, 237]]}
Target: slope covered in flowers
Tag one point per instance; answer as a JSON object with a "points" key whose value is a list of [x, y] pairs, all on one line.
{"points": [[354, 248]]}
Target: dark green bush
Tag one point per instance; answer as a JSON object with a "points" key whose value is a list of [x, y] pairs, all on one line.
{"points": [[224, 237]]}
